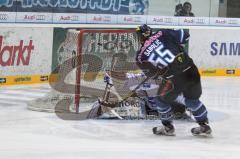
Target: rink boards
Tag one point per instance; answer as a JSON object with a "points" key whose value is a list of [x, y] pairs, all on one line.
{"points": [[26, 53]]}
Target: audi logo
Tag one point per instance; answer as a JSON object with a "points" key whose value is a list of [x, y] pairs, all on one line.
{"points": [[74, 18], [168, 20], [233, 21], [200, 21], [40, 17], [3, 16]]}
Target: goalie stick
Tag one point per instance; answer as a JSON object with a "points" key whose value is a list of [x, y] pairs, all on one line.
{"points": [[101, 106], [106, 96]]}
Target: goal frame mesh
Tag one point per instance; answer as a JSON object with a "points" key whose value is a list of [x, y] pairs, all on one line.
{"points": [[81, 41], [80, 52]]}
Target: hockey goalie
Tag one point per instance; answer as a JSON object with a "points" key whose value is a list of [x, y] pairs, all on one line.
{"points": [[140, 104]]}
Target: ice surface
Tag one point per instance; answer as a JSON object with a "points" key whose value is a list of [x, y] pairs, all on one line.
{"points": [[27, 134]]}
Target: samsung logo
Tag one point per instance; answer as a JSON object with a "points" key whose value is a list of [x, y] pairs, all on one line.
{"points": [[225, 49]]}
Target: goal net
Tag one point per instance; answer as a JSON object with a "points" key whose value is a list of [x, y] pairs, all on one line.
{"points": [[83, 58]]}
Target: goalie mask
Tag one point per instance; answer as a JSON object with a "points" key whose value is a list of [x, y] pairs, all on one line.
{"points": [[143, 32]]}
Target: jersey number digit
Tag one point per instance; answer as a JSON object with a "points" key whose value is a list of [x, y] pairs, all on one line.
{"points": [[164, 57]]}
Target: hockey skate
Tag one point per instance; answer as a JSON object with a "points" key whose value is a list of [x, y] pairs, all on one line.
{"points": [[164, 130], [203, 130]]}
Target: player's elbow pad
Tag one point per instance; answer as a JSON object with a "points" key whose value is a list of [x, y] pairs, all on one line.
{"points": [[185, 37]]}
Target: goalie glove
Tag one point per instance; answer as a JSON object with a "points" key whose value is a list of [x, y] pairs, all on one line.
{"points": [[107, 79]]}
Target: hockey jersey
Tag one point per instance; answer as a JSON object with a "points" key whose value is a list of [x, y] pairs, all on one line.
{"points": [[164, 54]]}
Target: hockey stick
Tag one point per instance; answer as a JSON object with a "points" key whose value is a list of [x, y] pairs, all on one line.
{"points": [[122, 99], [101, 106], [131, 93], [114, 61], [105, 99]]}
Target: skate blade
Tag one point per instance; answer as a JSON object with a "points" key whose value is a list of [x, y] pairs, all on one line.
{"points": [[204, 135], [164, 134]]}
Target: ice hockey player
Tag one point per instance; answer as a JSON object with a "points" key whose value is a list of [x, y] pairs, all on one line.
{"points": [[162, 56], [147, 93], [141, 105]]}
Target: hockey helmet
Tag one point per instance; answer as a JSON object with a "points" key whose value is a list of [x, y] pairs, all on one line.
{"points": [[144, 32]]}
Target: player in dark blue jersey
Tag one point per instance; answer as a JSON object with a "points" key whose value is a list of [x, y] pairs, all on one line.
{"points": [[162, 56]]}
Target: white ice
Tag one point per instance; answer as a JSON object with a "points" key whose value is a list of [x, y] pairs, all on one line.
{"points": [[27, 134]]}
